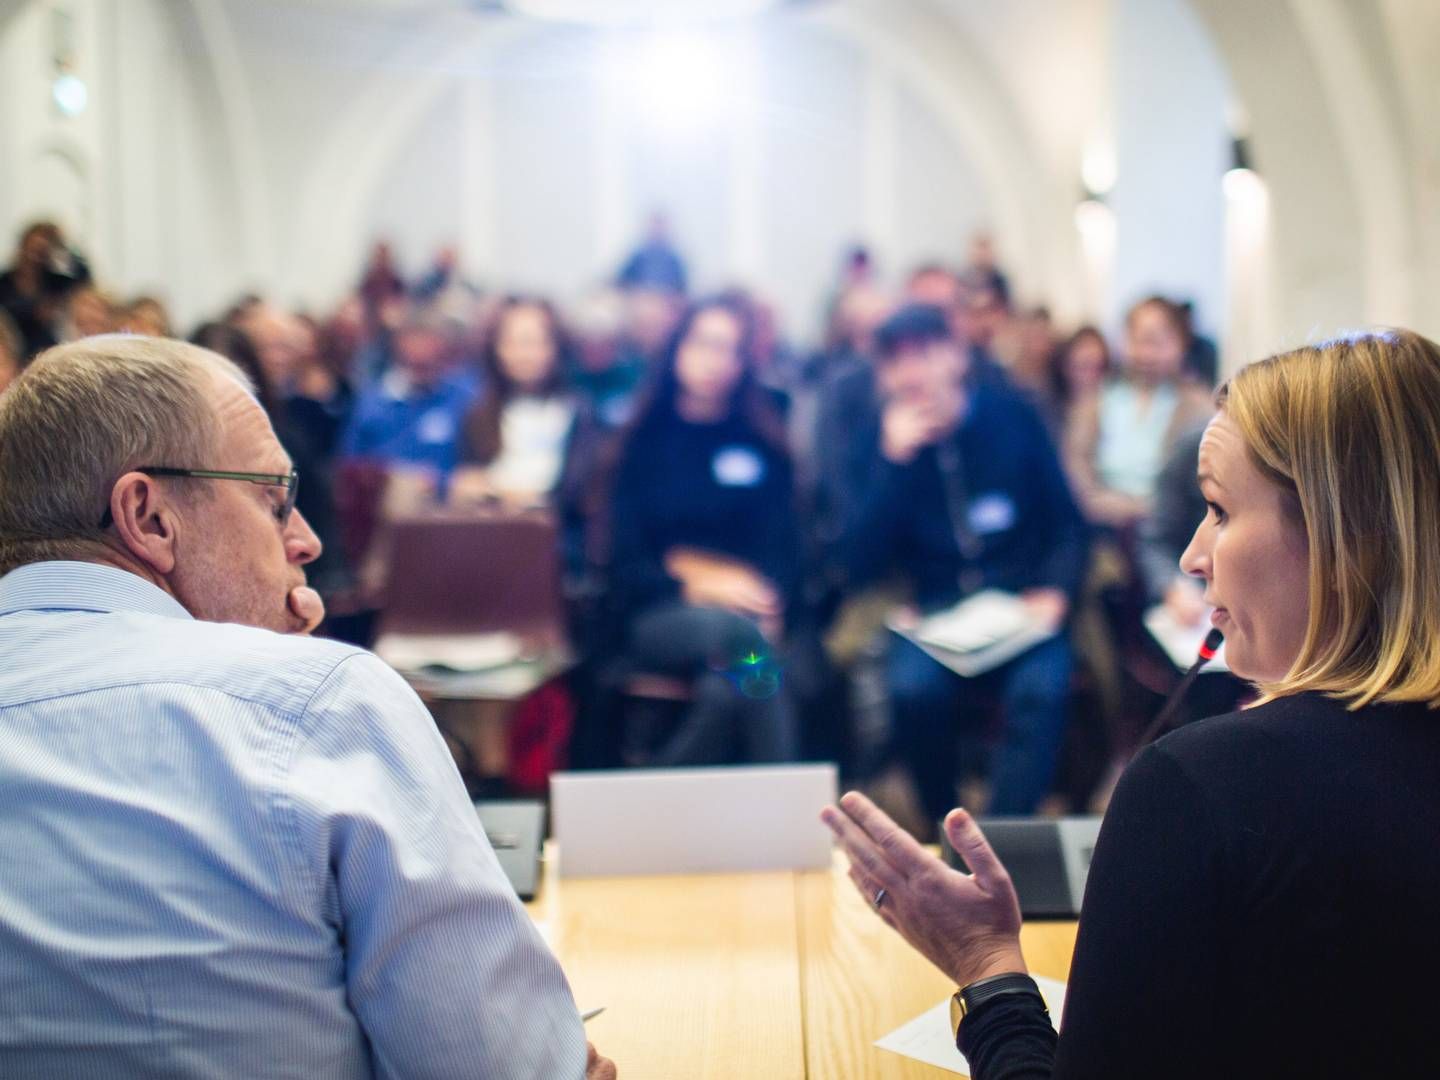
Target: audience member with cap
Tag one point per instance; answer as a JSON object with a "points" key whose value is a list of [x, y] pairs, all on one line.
{"points": [[226, 849], [955, 487]]}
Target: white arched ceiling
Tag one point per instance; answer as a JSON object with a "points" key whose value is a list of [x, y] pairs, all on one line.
{"points": [[925, 53], [225, 70], [930, 57], [1325, 139]]}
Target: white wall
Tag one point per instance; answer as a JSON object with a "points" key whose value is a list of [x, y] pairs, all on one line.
{"points": [[1172, 145]]}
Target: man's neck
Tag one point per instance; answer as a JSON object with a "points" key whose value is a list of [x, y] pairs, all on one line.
{"points": [[105, 555]]}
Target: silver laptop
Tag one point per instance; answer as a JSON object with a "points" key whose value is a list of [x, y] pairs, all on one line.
{"points": [[681, 821]]}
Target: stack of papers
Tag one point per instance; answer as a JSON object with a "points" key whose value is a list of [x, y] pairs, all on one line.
{"points": [[928, 1037], [1180, 642], [461, 653], [979, 633]]}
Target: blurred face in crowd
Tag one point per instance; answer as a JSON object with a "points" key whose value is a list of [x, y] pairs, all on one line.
{"points": [[525, 346], [1252, 553], [35, 247], [90, 313], [1154, 345], [861, 311], [981, 315], [1084, 365], [937, 288], [708, 365], [650, 316], [147, 317], [9, 367], [423, 354], [233, 560], [925, 373], [280, 341]]}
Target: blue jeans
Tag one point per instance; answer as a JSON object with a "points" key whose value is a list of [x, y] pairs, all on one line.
{"points": [[927, 698]]}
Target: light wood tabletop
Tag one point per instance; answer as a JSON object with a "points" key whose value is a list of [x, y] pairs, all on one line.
{"points": [[776, 975]]}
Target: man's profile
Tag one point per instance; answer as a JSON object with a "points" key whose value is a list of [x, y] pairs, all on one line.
{"points": [[224, 851]]}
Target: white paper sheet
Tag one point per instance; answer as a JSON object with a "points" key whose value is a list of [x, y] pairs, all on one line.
{"points": [[928, 1037], [979, 633], [453, 652]]}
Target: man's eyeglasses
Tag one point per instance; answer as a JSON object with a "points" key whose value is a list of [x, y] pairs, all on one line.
{"points": [[291, 484]]}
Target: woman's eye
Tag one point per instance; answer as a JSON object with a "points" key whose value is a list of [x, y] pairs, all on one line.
{"points": [[1217, 510]]}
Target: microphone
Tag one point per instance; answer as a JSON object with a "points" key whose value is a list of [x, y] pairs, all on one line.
{"points": [[1208, 648]]}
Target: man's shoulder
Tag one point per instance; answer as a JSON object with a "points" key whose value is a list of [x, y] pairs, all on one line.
{"points": [[283, 672]]}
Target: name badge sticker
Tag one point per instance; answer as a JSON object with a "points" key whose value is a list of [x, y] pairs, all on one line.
{"points": [[991, 513], [738, 466], [436, 426]]}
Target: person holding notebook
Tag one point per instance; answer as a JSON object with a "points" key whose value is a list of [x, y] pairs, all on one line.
{"points": [[1261, 897]]}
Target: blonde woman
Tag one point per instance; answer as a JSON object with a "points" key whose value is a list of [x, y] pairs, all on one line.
{"points": [[1262, 897]]}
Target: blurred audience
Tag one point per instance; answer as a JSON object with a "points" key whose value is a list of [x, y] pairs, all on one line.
{"points": [[1118, 441], [955, 487], [704, 551], [410, 418], [33, 290], [12, 352]]}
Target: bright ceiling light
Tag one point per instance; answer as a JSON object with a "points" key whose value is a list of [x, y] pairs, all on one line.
{"points": [[613, 12]]}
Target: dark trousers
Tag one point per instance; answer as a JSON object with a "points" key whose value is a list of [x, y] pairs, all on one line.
{"points": [[929, 701], [740, 708]]}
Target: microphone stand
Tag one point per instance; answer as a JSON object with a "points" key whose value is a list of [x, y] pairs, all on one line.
{"points": [[1161, 724]]}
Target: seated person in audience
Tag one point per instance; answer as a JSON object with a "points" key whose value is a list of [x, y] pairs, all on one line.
{"points": [[88, 312], [703, 549], [1260, 900], [12, 354], [145, 315], [1118, 441], [229, 849], [1079, 367], [956, 487], [314, 400], [411, 418], [518, 441], [33, 289]]}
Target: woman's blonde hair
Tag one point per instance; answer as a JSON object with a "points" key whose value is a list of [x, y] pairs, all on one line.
{"points": [[1351, 429]]}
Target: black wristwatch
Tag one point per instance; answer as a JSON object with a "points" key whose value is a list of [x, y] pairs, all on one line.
{"points": [[969, 998]]}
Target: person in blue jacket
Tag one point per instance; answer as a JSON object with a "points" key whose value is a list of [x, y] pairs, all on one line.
{"points": [[703, 544], [952, 483]]}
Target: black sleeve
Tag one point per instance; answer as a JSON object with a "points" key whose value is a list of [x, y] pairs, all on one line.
{"points": [[1143, 998], [637, 570], [1010, 1038], [869, 540], [781, 532], [1063, 564]]}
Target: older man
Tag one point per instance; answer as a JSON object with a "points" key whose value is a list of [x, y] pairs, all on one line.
{"points": [[224, 851]]}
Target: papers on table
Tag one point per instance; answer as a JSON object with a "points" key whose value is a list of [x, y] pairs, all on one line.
{"points": [[1180, 642], [928, 1037], [979, 633], [466, 653]]}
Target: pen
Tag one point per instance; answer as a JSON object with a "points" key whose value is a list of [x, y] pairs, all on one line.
{"points": [[590, 1014]]}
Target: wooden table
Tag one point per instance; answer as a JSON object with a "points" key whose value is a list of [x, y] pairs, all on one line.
{"points": [[776, 975]]}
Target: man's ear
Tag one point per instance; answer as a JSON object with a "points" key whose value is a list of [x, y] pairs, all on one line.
{"points": [[145, 521]]}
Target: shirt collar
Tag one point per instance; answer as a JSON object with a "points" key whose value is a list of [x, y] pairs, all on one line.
{"points": [[83, 586]]}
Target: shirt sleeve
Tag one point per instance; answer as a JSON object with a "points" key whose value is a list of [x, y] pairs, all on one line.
{"points": [[443, 967]]}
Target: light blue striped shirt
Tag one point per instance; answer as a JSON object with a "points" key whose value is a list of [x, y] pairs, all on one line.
{"points": [[229, 853]]}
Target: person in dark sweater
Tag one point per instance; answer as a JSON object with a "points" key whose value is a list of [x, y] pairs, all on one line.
{"points": [[1261, 897], [703, 552], [956, 486]]}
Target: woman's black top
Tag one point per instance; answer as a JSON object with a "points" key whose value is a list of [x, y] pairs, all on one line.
{"points": [[1264, 900], [718, 487]]}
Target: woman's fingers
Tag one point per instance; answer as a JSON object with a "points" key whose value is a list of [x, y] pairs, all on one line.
{"points": [[900, 848], [861, 849], [967, 839]]}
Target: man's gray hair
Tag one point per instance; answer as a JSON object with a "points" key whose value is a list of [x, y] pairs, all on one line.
{"points": [[84, 414]]}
